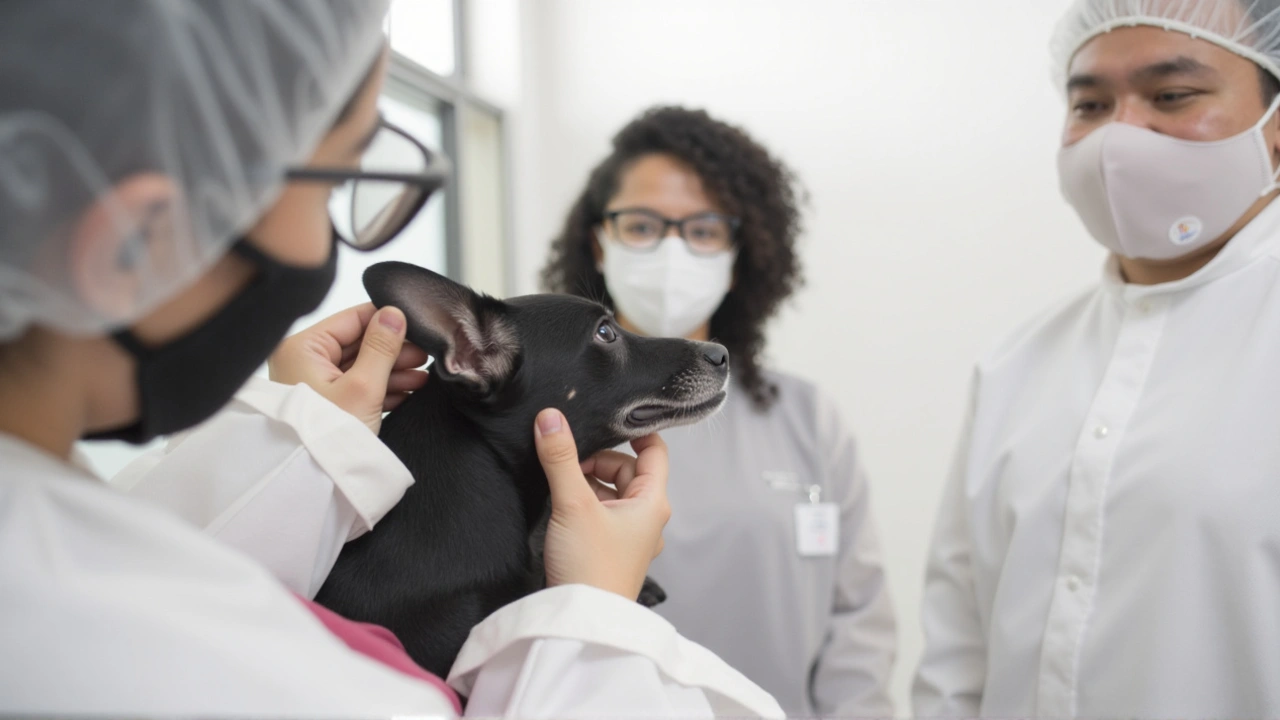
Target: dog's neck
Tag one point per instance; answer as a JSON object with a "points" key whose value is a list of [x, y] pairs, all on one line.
{"points": [[451, 455]]}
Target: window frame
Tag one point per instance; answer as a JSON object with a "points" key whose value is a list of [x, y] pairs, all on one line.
{"points": [[454, 98]]}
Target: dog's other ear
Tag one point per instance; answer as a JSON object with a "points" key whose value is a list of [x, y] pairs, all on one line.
{"points": [[469, 335]]}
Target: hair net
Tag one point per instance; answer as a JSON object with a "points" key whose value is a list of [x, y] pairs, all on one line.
{"points": [[1250, 28], [220, 96]]}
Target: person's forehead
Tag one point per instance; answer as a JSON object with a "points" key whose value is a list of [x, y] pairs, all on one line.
{"points": [[658, 169], [661, 175], [1115, 55]]}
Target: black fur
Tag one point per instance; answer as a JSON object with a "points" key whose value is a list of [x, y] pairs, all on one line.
{"points": [[466, 538]]}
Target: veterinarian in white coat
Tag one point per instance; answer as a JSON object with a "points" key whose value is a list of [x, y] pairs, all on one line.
{"points": [[1108, 545], [165, 176], [772, 559]]}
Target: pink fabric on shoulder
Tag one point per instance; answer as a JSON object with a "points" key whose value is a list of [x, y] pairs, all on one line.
{"points": [[378, 643]]}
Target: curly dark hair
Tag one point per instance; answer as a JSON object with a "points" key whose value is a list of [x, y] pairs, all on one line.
{"points": [[746, 181]]}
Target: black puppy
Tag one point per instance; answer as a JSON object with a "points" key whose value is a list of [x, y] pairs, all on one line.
{"points": [[458, 545]]}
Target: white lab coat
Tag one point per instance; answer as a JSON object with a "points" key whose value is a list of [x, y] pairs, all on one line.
{"points": [[817, 632], [112, 604], [1109, 542]]}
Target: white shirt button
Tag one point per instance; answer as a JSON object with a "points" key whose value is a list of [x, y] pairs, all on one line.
{"points": [[1101, 431], [1073, 583], [1144, 306]]}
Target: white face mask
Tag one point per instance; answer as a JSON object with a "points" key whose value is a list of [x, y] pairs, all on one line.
{"points": [[666, 291], [1146, 195]]}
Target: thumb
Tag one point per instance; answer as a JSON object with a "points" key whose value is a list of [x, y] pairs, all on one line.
{"points": [[558, 454], [382, 342]]}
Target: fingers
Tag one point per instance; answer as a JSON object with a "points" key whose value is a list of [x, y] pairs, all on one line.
{"points": [[652, 467], [613, 467], [404, 381], [558, 454], [604, 493], [358, 359], [336, 337], [347, 357], [346, 326], [411, 356], [383, 340]]}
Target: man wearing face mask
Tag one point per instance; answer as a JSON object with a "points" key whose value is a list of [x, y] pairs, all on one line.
{"points": [[1107, 543], [688, 229]]}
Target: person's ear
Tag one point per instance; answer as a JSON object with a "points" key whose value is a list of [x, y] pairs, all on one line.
{"points": [[1273, 131], [121, 241], [470, 335]]}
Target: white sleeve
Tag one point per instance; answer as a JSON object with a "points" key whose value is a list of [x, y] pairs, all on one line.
{"points": [[851, 675], [282, 475], [577, 652], [953, 671], [287, 478]]}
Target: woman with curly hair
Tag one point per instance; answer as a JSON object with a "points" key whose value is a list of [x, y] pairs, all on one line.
{"points": [[688, 229]]}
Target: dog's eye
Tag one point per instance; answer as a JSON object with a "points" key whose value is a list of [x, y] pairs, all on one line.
{"points": [[605, 333]]}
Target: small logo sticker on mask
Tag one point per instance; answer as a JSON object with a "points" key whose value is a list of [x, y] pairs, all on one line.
{"points": [[1186, 230]]}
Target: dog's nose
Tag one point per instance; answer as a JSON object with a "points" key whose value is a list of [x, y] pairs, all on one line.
{"points": [[715, 354]]}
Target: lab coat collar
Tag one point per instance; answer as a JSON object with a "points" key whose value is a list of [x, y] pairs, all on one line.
{"points": [[1260, 238]]}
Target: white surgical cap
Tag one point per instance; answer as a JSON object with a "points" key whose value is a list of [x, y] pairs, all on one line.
{"points": [[1249, 28], [220, 96]]}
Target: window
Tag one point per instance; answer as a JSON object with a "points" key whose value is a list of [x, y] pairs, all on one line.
{"points": [[462, 232], [424, 32], [429, 42], [483, 202]]}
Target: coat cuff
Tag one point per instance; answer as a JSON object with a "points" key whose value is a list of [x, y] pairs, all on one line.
{"points": [[593, 616], [365, 470]]}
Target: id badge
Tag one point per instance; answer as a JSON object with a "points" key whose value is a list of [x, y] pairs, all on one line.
{"points": [[817, 529]]}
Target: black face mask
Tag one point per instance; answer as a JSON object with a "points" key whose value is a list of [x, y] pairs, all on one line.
{"points": [[186, 381]]}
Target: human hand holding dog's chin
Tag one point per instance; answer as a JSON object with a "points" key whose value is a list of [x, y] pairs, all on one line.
{"points": [[357, 359], [599, 536]]}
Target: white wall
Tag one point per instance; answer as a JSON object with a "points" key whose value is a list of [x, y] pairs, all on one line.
{"points": [[926, 132]]}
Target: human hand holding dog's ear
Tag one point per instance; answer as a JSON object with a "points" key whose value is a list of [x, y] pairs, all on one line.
{"points": [[357, 359], [598, 536]]}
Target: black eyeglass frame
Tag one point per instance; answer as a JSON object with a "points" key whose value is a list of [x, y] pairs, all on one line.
{"points": [[667, 223], [430, 181]]}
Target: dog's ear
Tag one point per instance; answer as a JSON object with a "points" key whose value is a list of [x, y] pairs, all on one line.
{"points": [[470, 335]]}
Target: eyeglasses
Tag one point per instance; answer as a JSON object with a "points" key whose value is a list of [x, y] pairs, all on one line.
{"points": [[376, 202], [705, 233]]}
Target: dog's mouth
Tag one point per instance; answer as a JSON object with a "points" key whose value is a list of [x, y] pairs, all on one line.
{"points": [[655, 416]]}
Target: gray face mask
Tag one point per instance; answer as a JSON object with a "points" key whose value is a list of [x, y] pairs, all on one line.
{"points": [[1146, 195], [184, 382]]}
